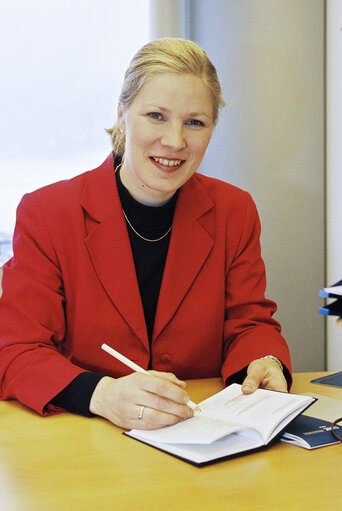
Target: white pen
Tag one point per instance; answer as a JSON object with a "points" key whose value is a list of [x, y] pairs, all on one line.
{"points": [[137, 368]]}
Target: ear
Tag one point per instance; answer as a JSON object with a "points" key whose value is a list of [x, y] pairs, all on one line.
{"points": [[121, 117]]}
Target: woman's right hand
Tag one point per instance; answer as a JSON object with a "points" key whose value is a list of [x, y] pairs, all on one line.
{"points": [[121, 400]]}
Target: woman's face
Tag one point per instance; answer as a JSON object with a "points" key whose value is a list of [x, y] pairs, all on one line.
{"points": [[168, 126]]}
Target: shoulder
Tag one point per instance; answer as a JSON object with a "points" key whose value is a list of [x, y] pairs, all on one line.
{"points": [[224, 194], [63, 194], [233, 209]]}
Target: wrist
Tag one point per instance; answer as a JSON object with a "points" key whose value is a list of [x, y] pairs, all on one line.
{"points": [[96, 404], [272, 357]]}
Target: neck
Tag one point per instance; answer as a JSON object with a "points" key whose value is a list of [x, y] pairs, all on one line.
{"points": [[141, 192]]}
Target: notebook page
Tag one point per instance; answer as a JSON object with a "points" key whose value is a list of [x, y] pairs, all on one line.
{"points": [[264, 409], [200, 429]]}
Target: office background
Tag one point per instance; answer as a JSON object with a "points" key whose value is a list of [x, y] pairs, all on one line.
{"points": [[278, 137]]}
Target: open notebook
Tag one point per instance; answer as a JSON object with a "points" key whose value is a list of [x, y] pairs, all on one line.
{"points": [[229, 423]]}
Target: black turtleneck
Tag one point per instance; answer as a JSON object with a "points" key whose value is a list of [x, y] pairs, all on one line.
{"points": [[151, 222], [149, 257]]}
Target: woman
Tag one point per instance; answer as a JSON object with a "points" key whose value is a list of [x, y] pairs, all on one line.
{"points": [[161, 263]]}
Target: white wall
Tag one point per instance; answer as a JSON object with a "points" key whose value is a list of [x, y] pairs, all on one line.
{"points": [[62, 63], [168, 18], [270, 141], [334, 170]]}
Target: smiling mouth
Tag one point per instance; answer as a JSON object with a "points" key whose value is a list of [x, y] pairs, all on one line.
{"points": [[167, 163]]}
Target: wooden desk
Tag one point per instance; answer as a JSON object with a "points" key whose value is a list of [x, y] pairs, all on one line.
{"points": [[71, 463]]}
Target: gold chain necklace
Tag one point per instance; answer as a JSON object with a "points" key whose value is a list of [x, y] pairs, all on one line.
{"points": [[142, 237], [131, 226]]}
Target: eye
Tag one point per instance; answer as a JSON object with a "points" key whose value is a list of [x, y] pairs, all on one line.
{"points": [[155, 115], [194, 122]]}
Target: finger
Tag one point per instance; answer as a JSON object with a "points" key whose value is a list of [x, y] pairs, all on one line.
{"points": [[266, 374], [163, 404], [276, 382], [164, 388], [256, 372], [170, 377], [153, 419]]}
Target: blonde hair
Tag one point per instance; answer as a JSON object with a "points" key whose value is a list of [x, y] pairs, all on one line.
{"points": [[168, 55]]}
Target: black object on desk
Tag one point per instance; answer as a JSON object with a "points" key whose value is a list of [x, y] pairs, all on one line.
{"points": [[332, 380]]}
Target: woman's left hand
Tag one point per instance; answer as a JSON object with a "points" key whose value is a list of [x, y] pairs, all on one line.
{"points": [[265, 373]]}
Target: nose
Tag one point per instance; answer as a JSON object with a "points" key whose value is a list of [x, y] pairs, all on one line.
{"points": [[173, 136]]}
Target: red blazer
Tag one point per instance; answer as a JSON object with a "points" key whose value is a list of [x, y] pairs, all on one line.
{"points": [[71, 286]]}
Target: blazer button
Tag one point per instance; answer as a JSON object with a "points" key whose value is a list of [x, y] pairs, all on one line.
{"points": [[166, 358]]}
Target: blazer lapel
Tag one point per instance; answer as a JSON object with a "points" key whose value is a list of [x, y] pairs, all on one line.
{"points": [[190, 246], [109, 248]]}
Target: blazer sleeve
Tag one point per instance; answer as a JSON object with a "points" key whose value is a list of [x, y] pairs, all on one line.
{"points": [[32, 317], [250, 331]]}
